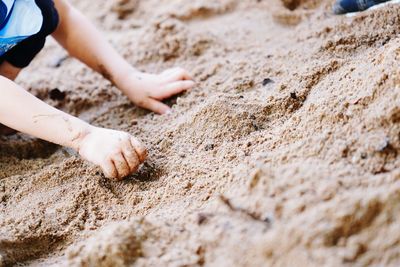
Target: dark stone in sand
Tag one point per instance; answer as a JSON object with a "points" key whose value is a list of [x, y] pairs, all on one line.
{"points": [[267, 81], [56, 94]]}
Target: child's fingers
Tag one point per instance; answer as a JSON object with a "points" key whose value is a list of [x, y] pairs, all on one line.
{"points": [[121, 166], [156, 106], [177, 75], [109, 169], [131, 157], [176, 88], [140, 149]]}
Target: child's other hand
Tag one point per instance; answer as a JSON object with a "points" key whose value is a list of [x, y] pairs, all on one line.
{"points": [[117, 153], [148, 90]]}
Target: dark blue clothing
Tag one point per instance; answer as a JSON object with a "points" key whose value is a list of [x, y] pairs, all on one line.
{"points": [[6, 7], [3, 12], [23, 53]]}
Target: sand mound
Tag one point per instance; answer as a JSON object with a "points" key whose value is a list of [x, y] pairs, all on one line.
{"points": [[116, 245], [285, 154]]}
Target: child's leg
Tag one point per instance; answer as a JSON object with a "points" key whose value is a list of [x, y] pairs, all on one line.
{"points": [[9, 71]]}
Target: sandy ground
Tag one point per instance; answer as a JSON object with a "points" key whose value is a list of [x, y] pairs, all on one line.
{"points": [[285, 154]]}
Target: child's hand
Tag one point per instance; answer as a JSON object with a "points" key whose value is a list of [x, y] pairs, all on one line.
{"points": [[147, 90], [117, 153]]}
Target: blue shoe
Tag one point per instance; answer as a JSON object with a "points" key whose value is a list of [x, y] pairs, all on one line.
{"points": [[347, 6]]}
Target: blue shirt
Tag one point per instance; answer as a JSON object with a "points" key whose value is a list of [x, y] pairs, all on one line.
{"points": [[19, 19]]}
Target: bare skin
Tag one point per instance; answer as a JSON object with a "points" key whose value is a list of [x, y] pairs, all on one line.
{"points": [[9, 71], [89, 46], [117, 153]]}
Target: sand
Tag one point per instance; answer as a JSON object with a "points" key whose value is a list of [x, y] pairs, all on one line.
{"points": [[285, 153]]}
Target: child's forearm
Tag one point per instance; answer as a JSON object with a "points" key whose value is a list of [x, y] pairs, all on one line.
{"points": [[23, 112], [117, 153], [84, 42]]}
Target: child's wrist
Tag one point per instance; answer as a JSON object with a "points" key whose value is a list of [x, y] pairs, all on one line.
{"points": [[79, 135], [128, 80]]}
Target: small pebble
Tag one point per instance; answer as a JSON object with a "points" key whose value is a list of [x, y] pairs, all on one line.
{"points": [[209, 147], [201, 218], [56, 94], [267, 81]]}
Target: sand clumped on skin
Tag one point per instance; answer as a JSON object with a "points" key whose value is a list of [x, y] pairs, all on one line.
{"points": [[285, 154]]}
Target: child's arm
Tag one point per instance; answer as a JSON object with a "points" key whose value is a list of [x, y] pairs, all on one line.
{"points": [[117, 153], [83, 41]]}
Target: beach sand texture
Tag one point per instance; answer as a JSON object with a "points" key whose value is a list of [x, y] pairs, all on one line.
{"points": [[284, 154]]}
